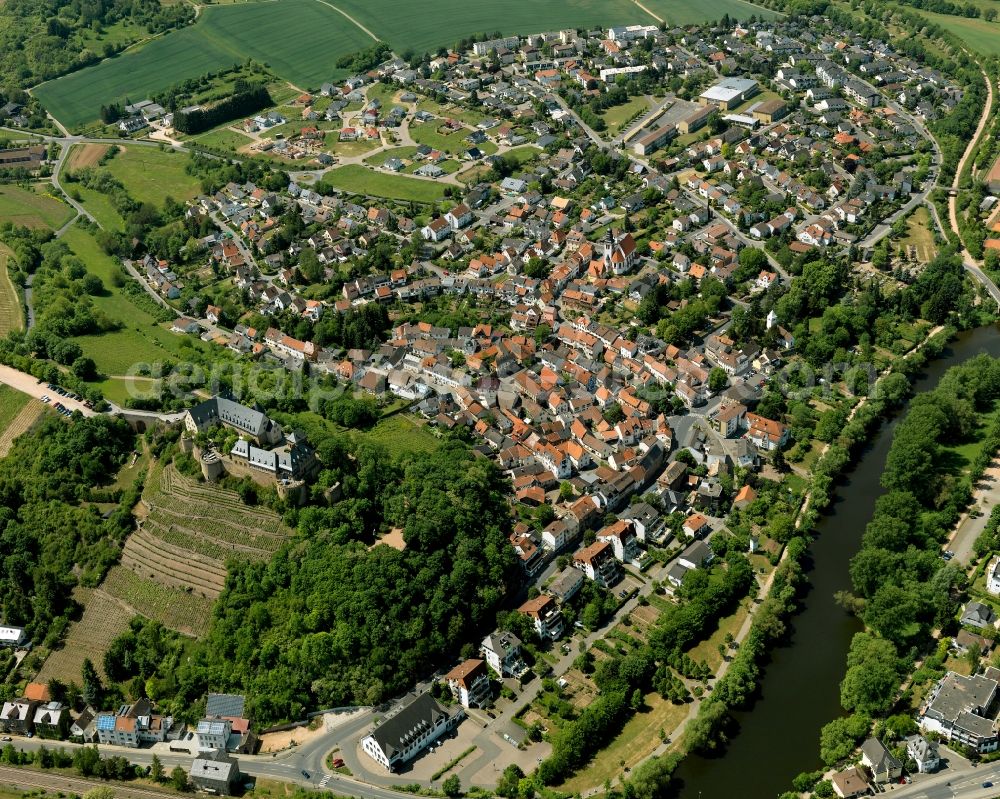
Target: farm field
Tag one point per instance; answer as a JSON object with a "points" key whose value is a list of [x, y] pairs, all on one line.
{"points": [[355, 178], [103, 620], [417, 27], [32, 207], [684, 12], [11, 315], [287, 35], [84, 155], [173, 567], [979, 34], [11, 403], [150, 174]]}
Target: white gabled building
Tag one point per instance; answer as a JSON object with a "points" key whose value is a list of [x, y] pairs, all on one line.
{"points": [[407, 732]]}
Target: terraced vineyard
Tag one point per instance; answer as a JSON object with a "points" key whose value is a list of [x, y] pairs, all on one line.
{"points": [[178, 610], [174, 566], [104, 619]]}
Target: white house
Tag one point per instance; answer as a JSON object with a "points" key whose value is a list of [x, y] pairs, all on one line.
{"points": [[469, 683], [924, 753], [502, 652], [993, 577]]}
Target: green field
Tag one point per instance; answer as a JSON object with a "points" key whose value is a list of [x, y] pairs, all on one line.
{"points": [[419, 27], [358, 180], [618, 115], [979, 34], [141, 339], [150, 175], [299, 40], [402, 435], [684, 12], [33, 207]]}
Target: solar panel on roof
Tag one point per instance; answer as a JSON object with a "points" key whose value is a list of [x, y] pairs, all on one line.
{"points": [[230, 705], [105, 722]]}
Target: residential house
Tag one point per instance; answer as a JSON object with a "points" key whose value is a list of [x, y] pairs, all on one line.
{"points": [[469, 683], [216, 773], [598, 562], [924, 753], [880, 762], [544, 612], [623, 539], [962, 709], [850, 783], [502, 652]]}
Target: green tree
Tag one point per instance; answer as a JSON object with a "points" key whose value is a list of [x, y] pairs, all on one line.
{"points": [[717, 380], [452, 786], [156, 769], [838, 738], [93, 689], [872, 677], [179, 779]]}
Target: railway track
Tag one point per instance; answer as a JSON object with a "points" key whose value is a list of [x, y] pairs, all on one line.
{"points": [[31, 779]]}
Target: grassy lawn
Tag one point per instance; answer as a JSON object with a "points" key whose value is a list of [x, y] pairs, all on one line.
{"points": [[150, 175], [616, 116], [638, 739], [428, 133], [286, 35], [959, 457], [222, 139], [33, 207], [708, 650], [920, 234], [11, 316], [402, 153], [402, 434], [358, 180]]}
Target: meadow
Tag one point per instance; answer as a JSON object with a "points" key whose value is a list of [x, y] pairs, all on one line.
{"points": [[141, 339], [32, 207], [300, 40], [357, 179], [150, 174], [978, 34], [11, 404]]}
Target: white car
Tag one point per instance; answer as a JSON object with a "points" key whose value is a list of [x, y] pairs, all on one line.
{"points": [[45, 398]]}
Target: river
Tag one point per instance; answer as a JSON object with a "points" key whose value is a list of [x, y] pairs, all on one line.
{"points": [[778, 737]]}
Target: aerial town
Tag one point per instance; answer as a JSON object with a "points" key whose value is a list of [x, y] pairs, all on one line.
{"points": [[656, 326]]}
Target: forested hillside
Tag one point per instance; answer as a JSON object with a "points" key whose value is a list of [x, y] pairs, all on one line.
{"points": [[49, 542], [328, 621]]}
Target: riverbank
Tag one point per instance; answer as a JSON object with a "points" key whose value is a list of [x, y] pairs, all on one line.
{"points": [[812, 661]]}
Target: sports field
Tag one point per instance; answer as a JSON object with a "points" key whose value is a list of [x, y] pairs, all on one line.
{"points": [[299, 39], [32, 207], [356, 179]]}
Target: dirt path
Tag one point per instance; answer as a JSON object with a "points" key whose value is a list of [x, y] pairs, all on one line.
{"points": [[27, 384], [953, 198], [349, 17]]}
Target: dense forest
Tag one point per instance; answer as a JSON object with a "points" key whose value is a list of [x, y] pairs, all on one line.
{"points": [[51, 538], [41, 39]]}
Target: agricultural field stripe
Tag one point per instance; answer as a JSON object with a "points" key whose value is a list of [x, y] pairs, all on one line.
{"points": [[349, 17]]}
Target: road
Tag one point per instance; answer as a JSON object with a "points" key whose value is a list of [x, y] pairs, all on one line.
{"points": [[948, 785]]}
